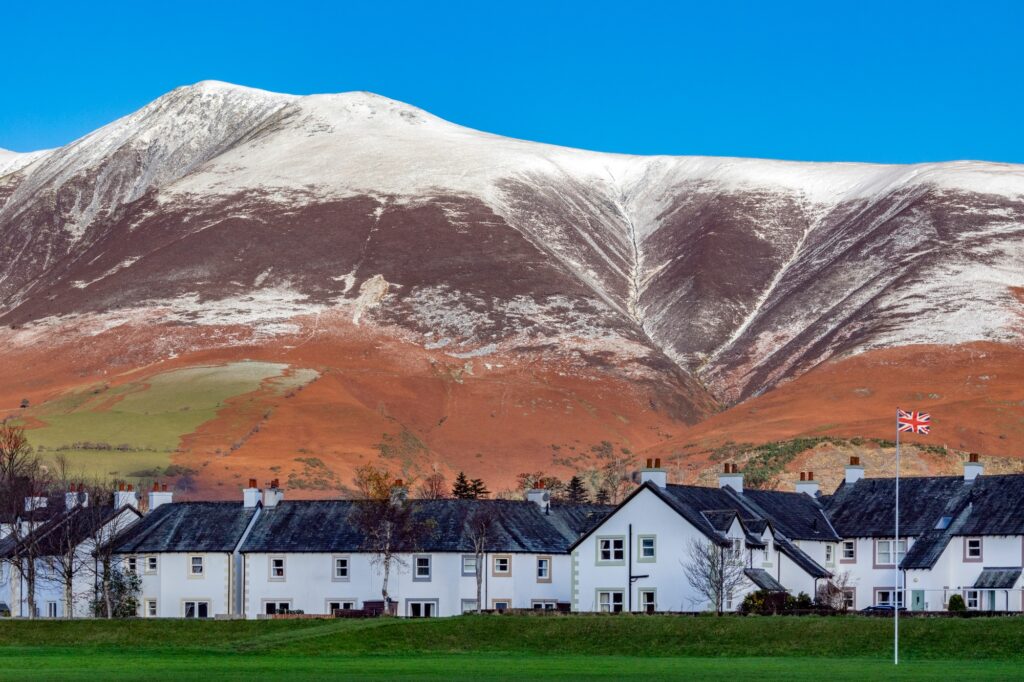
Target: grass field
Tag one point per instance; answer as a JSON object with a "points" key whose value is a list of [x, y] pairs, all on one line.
{"points": [[517, 647]]}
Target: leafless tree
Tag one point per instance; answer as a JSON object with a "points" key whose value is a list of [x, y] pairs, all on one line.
{"points": [[714, 571], [832, 593], [433, 487], [480, 528]]}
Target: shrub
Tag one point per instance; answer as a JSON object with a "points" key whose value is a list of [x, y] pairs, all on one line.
{"points": [[956, 603]]}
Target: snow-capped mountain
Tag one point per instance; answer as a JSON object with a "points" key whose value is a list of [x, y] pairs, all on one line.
{"points": [[218, 205]]}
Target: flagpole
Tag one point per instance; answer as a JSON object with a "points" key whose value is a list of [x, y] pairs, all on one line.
{"points": [[896, 554]]}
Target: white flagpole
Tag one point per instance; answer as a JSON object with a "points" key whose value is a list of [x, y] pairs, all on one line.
{"points": [[896, 554]]}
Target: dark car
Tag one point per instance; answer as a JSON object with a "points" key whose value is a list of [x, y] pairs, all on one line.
{"points": [[882, 608]]}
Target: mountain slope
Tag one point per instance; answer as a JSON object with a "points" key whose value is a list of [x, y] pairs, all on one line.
{"points": [[221, 217]]}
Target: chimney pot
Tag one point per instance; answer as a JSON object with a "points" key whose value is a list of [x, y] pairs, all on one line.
{"points": [[973, 457], [120, 486], [163, 487], [803, 476], [131, 487], [650, 463], [731, 477], [854, 460], [657, 462], [252, 483], [156, 486], [972, 467], [810, 475]]}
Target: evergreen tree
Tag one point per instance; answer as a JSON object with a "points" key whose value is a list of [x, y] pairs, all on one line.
{"points": [[575, 492], [478, 489], [602, 496], [461, 489]]}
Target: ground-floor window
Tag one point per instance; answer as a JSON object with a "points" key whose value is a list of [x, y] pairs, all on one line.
{"points": [[272, 607], [468, 605], [341, 605], [51, 609], [647, 601], [609, 601], [501, 605], [197, 609], [972, 599], [150, 608], [849, 598], [422, 609], [885, 597], [544, 605]]}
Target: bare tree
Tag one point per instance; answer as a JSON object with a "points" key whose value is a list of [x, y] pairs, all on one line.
{"points": [[433, 487], [388, 523], [714, 571], [480, 528], [833, 592], [106, 574]]}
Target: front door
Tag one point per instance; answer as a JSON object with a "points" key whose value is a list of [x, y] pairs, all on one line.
{"points": [[991, 600], [917, 600]]}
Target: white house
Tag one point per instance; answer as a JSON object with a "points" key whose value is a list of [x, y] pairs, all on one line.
{"points": [[958, 535], [634, 559]]}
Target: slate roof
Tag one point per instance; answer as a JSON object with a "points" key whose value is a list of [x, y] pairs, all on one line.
{"points": [[73, 527], [998, 578], [186, 527], [329, 526], [796, 515], [764, 580]]}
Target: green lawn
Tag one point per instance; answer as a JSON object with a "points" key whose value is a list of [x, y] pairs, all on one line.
{"points": [[520, 647]]}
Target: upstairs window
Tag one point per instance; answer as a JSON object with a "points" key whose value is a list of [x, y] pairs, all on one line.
{"points": [[502, 566], [884, 554], [132, 565], [341, 568], [736, 550], [421, 571], [972, 549], [829, 551], [849, 550], [610, 550], [544, 569], [647, 548], [195, 567], [151, 564], [277, 568], [468, 564]]}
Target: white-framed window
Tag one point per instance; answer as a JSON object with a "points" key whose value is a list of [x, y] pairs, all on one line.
{"points": [[469, 605], [611, 550], [543, 569], [131, 565], [341, 568], [829, 554], [276, 568], [849, 598], [544, 605], [150, 608], [273, 606], [51, 609], [647, 548], [884, 552], [195, 566], [972, 549], [648, 601], [501, 605], [501, 566], [469, 564], [972, 597], [340, 605], [728, 601], [421, 568], [736, 550], [609, 601], [885, 597], [849, 550], [422, 608], [196, 609], [151, 565]]}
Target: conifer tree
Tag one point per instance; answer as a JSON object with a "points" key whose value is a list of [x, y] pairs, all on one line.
{"points": [[478, 489], [461, 489], [575, 492]]}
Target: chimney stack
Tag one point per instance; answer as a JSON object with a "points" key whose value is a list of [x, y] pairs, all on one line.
{"points": [[731, 477], [972, 468], [854, 471], [159, 496], [125, 496], [654, 473], [539, 496], [807, 484], [272, 494], [251, 495]]}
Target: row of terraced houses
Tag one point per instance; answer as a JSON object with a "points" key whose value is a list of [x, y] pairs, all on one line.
{"points": [[265, 555]]}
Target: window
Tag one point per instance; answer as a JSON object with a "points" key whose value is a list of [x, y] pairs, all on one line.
{"points": [[647, 601], [849, 550], [340, 568], [829, 554], [132, 565], [972, 599], [421, 568], [502, 566], [943, 523], [277, 568], [51, 609], [609, 601], [849, 598], [647, 549], [341, 605], [468, 605], [544, 605], [885, 597], [151, 608], [422, 609], [543, 569], [501, 605], [736, 550], [972, 549], [197, 609], [884, 552], [610, 550], [272, 607], [728, 602], [151, 565], [468, 564], [195, 567]]}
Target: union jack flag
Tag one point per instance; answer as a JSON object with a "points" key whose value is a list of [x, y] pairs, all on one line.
{"points": [[914, 422]]}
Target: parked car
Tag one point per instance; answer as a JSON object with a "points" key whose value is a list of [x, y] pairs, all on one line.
{"points": [[882, 608]]}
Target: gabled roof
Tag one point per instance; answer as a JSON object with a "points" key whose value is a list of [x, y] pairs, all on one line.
{"points": [[187, 527], [801, 558], [798, 516], [998, 578], [67, 529], [330, 526]]}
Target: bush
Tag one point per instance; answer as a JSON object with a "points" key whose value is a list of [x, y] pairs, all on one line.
{"points": [[956, 603]]}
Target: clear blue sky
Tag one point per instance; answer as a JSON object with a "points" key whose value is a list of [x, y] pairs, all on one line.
{"points": [[826, 80]]}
